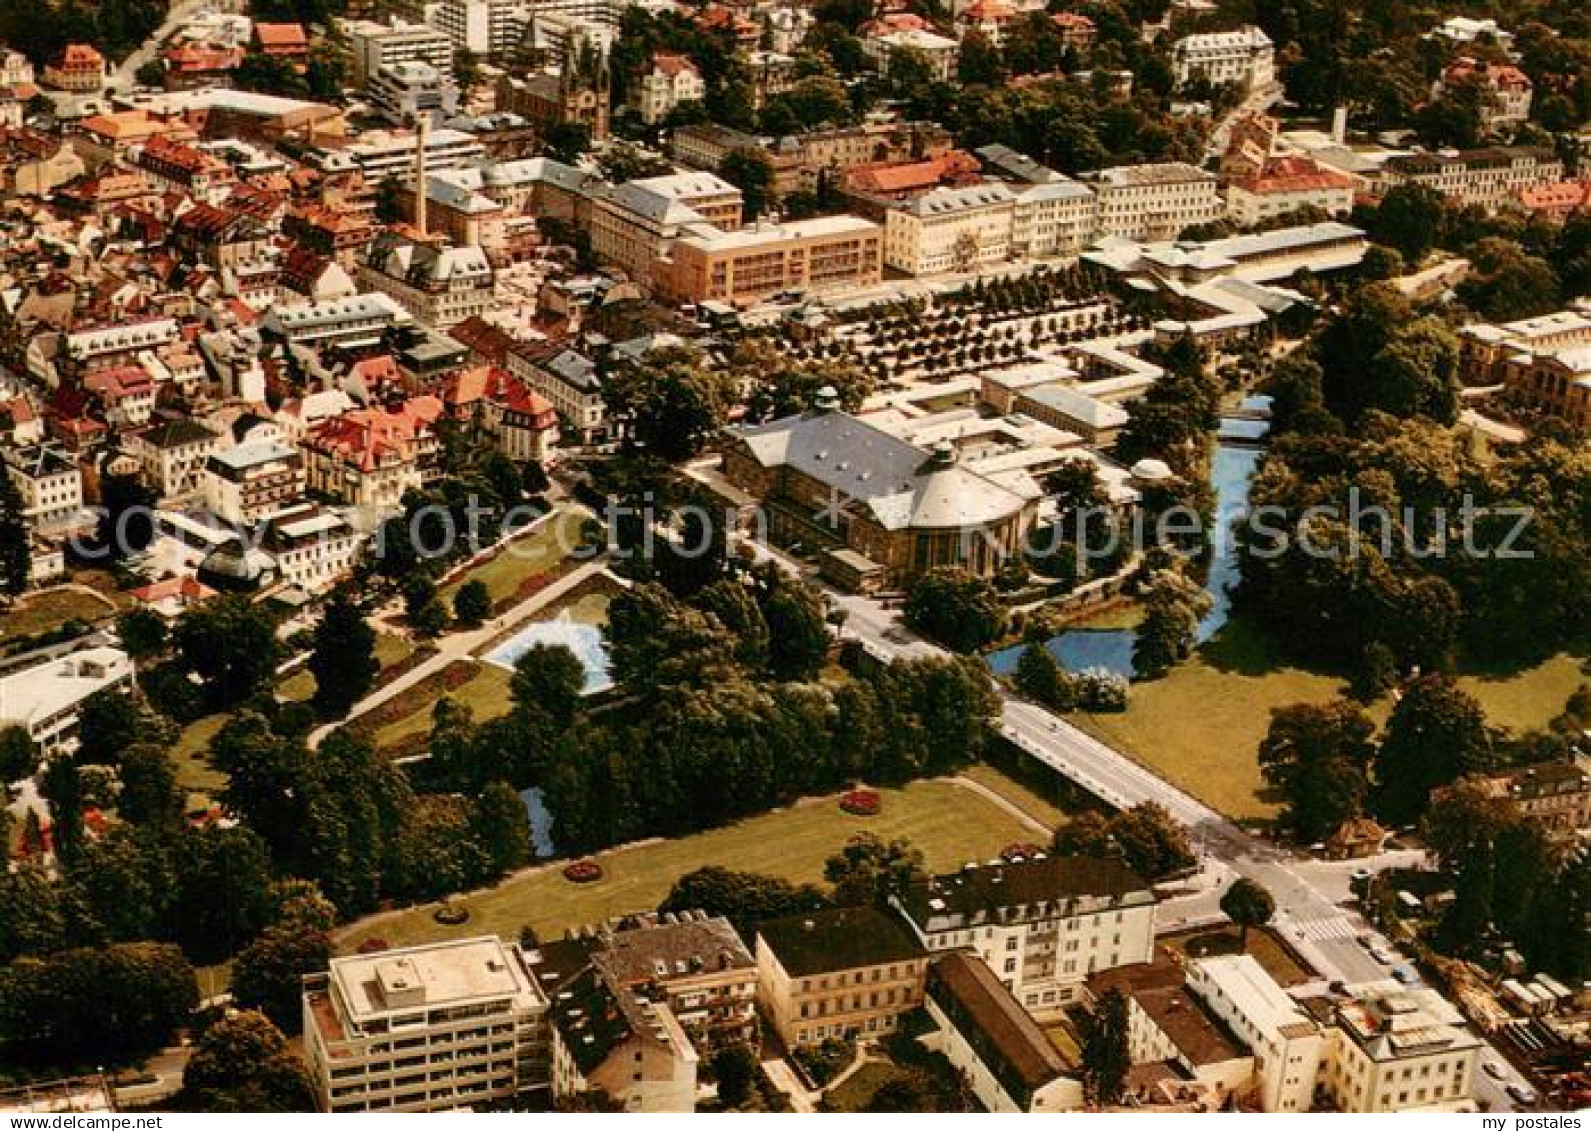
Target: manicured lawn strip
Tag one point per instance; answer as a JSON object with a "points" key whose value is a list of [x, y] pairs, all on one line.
{"points": [[1050, 815], [194, 772], [949, 823], [483, 688], [541, 552]]}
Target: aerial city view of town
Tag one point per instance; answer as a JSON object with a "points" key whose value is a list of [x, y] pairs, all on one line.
{"points": [[749, 556]]}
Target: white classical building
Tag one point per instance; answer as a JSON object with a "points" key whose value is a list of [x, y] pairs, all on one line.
{"points": [[1244, 58], [51, 486], [939, 52], [1154, 202], [1400, 1050], [1042, 925], [962, 229]]}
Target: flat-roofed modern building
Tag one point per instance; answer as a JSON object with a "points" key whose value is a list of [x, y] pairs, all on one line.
{"points": [[1287, 1044], [751, 264], [426, 1028], [1042, 925], [847, 972], [45, 699]]}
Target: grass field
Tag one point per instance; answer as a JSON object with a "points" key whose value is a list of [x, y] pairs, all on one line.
{"points": [[1201, 725], [857, 1089], [390, 649], [948, 822], [45, 612], [194, 772], [486, 693], [1047, 813], [524, 558], [1531, 698]]}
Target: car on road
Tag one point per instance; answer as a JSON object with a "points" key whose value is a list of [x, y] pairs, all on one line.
{"points": [[1493, 1069], [1521, 1094], [1382, 955]]}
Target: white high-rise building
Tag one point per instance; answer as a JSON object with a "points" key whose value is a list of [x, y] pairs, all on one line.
{"points": [[427, 1028]]}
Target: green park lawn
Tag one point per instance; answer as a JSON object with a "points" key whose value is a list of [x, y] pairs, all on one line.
{"points": [[856, 1090], [1262, 945], [300, 686], [1042, 810], [1200, 727], [485, 693], [948, 822], [194, 772], [524, 558]]}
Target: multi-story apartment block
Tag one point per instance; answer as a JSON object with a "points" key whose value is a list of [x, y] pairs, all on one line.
{"points": [[378, 154], [1556, 794], [1153, 202], [245, 483], [848, 972], [1287, 1044], [51, 486], [672, 80], [1401, 1050], [438, 286], [1244, 58], [428, 1028], [634, 224], [1042, 925], [314, 548], [950, 229], [93, 348], [372, 46], [490, 28], [570, 380], [173, 455], [126, 394], [1168, 1025], [404, 93], [1055, 217], [693, 963], [1486, 177], [748, 265], [1286, 184]]}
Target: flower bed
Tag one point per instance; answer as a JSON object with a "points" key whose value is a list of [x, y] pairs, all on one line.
{"points": [[373, 946], [1011, 853], [451, 914], [582, 872], [420, 696], [861, 803]]}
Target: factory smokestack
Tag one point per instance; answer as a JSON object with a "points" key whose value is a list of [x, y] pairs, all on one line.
{"points": [[421, 133]]}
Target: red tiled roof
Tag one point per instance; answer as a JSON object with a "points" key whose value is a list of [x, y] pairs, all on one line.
{"points": [[1296, 174], [1559, 196], [281, 36], [81, 56], [671, 64], [488, 383]]}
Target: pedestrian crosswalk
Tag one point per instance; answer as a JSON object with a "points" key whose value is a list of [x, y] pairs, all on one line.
{"points": [[1332, 927]]}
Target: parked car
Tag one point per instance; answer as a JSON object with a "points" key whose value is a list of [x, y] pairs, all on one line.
{"points": [[1493, 1069], [1381, 955], [1521, 1094]]}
